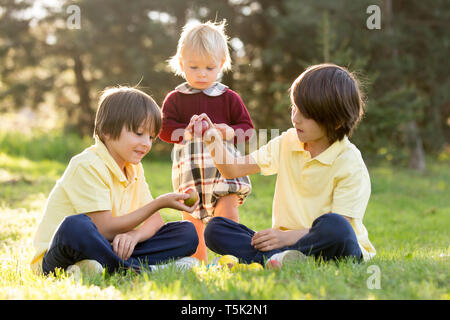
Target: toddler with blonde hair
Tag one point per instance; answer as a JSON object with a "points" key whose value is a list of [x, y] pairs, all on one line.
{"points": [[202, 55]]}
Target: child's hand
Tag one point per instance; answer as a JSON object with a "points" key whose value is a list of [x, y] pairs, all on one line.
{"points": [[124, 243], [226, 131], [195, 127], [189, 131], [269, 239], [175, 201], [212, 130]]}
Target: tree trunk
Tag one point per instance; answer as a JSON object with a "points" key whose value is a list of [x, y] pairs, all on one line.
{"points": [[414, 141], [84, 121], [415, 145]]}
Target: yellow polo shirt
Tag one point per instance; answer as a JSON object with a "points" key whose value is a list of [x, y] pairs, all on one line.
{"points": [[91, 182], [335, 181]]}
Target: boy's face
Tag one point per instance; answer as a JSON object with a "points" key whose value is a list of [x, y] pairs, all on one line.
{"points": [[130, 147], [308, 130], [200, 72]]}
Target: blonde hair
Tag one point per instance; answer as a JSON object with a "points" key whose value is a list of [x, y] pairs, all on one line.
{"points": [[207, 39]]}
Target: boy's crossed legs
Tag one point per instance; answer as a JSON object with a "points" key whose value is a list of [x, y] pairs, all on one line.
{"points": [[331, 236], [77, 238]]}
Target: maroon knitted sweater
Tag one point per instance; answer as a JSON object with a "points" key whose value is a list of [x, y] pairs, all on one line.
{"points": [[178, 108]]}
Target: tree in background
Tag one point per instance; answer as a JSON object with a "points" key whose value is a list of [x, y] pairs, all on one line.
{"points": [[20, 84], [403, 66]]}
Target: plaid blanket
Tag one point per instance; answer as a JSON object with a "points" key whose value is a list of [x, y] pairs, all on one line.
{"points": [[193, 167]]}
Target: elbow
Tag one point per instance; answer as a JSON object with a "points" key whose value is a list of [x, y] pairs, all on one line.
{"points": [[228, 174], [108, 229], [171, 135], [159, 223], [106, 224], [106, 232], [164, 137]]}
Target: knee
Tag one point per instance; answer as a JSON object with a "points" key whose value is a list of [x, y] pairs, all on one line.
{"points": [[335, 227], [211, 230], [74, 229], [76, 224], [339, 235], [190, 234]]}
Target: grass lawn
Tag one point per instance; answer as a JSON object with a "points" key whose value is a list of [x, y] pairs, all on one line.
{"points": [[407, 219]]}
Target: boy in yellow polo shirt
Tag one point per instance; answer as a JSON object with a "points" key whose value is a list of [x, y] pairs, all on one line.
{"points": [[100, 212], [322, 186]]}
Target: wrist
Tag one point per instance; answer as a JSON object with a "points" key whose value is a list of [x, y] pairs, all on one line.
{"points": [[187, 135], [229, 133], [293, 236], [135, 234], [212, 136], [159, 203]]}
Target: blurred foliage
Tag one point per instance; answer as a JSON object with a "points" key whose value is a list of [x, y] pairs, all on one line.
{"points": [[43, 146], [403, 67]]}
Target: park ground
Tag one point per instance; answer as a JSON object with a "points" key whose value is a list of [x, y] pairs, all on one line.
{"points": [[407, 219]]}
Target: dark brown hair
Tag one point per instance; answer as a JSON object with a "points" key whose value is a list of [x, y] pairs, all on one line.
{"points": [[330, 95], [125, 106]]}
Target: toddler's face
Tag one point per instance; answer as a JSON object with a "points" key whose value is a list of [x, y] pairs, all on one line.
{"points": [[200, 72]]}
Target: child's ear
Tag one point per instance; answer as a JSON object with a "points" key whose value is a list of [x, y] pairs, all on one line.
{"points": [[180, 60], [106, 137], [221, 65]]}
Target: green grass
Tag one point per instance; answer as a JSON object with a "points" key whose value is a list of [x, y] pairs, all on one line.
{"points": [[407, 219]]}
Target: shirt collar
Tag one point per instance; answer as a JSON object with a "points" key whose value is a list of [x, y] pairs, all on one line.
{"points": [[100, 149], [326, 157], [215, 90], [332, 152]]}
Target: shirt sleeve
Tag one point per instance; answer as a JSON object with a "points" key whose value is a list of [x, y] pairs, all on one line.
{"points": [[87, 190], [172, 130], [352, 192], [267, 157], [241, 121]]}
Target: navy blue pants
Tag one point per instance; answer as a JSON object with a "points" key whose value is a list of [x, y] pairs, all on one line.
{"points": [[77, 238], [331, 237]]}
